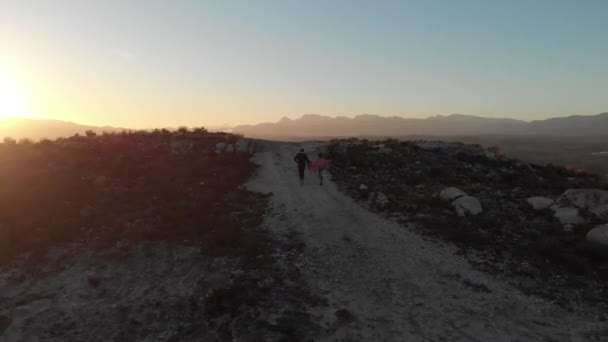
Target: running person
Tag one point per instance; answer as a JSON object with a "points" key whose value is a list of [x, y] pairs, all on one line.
{"points": [[319, 166], [302, 160]]}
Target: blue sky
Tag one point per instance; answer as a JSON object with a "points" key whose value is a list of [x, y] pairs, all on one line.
{"points": [[150, 63]]}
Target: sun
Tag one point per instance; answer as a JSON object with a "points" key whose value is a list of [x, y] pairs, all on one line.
{"points": [[13, 99]]}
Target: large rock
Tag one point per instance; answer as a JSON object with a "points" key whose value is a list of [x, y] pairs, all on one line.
{"points": [[599, 236], [594, 201], [568, 216], [467, 205], [450, 194], [540, 203], [245, 146]]}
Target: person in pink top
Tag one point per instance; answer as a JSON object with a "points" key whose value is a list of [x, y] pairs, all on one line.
{"points": [[319, 166]]}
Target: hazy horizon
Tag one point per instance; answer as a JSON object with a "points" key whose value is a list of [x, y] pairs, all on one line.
{"points": [[227, 126], [151, 64]]}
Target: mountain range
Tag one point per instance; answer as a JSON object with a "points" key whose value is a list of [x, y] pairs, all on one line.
{"points": [[315, 126], [320, 126], [38, 129]]}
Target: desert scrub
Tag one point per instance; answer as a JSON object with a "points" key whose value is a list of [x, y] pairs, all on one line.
{"points": [[102, 188]]}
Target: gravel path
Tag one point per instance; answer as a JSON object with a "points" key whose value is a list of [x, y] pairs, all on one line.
{"points": [[384, 282]]}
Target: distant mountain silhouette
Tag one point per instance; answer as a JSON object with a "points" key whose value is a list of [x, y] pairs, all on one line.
{"points": [[313, 125], [577, 125], [38, 129]]}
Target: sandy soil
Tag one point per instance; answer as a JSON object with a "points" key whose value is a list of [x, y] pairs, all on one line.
{"points": [[145, 294], [384, 282]]}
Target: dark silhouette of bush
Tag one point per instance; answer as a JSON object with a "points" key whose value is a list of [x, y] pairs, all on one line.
{"points": [[97, 189], [9, 141]]}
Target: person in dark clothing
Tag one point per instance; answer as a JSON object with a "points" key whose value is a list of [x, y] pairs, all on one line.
{"points": [[302, 160]]}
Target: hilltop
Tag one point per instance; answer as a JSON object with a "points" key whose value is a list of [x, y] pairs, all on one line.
{"points": [[196, 236]]}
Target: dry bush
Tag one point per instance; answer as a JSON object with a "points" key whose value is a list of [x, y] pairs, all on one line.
{"points": [[98, 189]]}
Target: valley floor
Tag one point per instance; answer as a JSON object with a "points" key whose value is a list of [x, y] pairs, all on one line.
{"points": [[384, 282]]}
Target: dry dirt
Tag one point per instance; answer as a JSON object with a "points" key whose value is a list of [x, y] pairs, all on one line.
{"points": [[338, 273], [384, 282]]}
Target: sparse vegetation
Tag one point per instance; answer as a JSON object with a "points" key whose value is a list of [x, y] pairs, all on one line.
{"points": [[98, 189], [507, 235], [129, 213]]}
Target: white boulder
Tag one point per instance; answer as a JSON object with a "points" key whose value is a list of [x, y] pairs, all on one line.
{"points": [[599, 236], [594, 201], [467, 205], [363, 187], [450, 194], [540, 203], [568, 216]]}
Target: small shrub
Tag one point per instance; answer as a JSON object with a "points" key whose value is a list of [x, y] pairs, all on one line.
{"points": [[9, 141]]}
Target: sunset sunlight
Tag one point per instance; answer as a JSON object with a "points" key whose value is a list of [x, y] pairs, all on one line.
{"points": [[289, 170], [13, 99]]}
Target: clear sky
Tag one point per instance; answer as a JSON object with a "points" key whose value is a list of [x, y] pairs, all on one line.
{"points": [[166, 63]]}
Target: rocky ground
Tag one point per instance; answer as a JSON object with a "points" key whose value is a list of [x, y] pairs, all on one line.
{"points": [[144, 236], [177, 236], [385, 281], [512, 219]]}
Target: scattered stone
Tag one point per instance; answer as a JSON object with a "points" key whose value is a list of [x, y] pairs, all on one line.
{"points": [[599, 236], [540, 203], [467, 205], [567, 216], [594, 201], [381, 200], [450, 194], [506, 233], [220, 147], [246, 146]]}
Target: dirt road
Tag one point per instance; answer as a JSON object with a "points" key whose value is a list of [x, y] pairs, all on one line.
{"points": [[384, 282]]}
